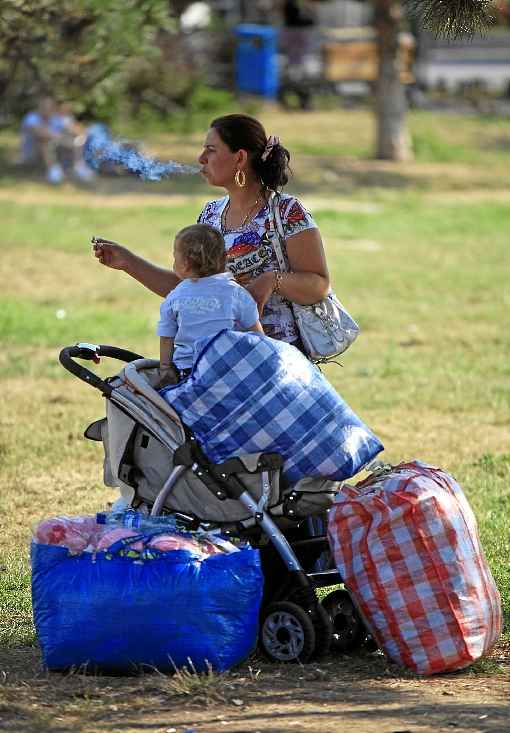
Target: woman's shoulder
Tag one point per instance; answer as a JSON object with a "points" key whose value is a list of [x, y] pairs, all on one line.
{"points": [[287, 202], [294, 212], [212, 210]]}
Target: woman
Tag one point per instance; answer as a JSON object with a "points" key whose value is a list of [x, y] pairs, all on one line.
{"points": [[239, 157]]}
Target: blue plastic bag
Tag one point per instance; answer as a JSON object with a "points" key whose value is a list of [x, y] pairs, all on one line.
{"points": [[249, 393], [117, 614]]}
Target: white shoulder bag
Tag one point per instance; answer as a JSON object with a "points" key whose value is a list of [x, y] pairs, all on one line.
{"points": [[326, 328]]}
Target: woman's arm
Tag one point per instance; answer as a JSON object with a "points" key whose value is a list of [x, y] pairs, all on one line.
{"points": [[308, 281], [157, 279]]}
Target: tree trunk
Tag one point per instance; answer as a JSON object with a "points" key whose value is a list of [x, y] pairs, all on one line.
{"points": [[393, 140]]}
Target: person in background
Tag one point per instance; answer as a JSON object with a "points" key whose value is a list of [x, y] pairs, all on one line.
{"points": [[206, 301], [50, 134], [297, 41]]}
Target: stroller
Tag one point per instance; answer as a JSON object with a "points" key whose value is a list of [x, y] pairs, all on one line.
{"points": [[157, 463]]}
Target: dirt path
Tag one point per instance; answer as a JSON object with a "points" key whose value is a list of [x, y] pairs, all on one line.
{"points": [[327, 697]]}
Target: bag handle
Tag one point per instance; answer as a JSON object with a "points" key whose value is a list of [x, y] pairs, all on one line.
{"points": [[124, 544], [280, 236], [278, 233]]}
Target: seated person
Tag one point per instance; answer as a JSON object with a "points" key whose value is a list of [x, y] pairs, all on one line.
{"points": [[206, 301], [48, 134]]}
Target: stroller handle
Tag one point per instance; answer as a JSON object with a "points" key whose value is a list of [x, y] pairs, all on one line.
{"points": [[92, 352]]}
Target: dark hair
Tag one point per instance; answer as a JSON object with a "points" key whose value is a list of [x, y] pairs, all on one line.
{"points": [[204, 248], [244, 132]]}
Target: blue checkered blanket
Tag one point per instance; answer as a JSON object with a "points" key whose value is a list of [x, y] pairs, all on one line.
{"points": [[248, 393]]}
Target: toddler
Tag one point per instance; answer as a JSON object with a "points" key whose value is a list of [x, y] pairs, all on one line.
{"points": [[206, 301]]}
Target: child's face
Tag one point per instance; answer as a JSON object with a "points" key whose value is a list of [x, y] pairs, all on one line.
{"points": [[181, 263]]}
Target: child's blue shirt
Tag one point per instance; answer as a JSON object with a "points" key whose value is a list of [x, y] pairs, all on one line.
{"points": [[204, 307]]}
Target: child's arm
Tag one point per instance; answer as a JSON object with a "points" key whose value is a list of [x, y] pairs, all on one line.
{"points": [[257, 327], [167, 373], [247, 312], [167, 331], [166, 352]]}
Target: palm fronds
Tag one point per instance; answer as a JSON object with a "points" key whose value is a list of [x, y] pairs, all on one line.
{"points": [[452, 19]]}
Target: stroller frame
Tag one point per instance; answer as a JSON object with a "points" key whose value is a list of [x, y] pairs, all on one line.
{"points": [[294, 624]]}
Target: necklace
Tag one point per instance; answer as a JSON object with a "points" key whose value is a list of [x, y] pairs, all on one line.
{"points": [[249, 215]]}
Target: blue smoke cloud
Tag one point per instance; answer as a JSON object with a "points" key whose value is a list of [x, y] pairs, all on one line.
{"points": [[101, 148]]}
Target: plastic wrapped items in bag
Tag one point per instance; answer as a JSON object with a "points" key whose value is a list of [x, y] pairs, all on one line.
{"points": [[92, 534], [113, 535], [77, 534], [406, 545], [118, 610]]}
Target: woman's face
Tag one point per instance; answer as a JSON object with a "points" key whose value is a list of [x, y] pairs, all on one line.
{"points": [[218, 164]]}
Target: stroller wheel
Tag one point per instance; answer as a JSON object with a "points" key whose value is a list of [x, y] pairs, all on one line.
{"points": [[348, 628], [287, 633]]}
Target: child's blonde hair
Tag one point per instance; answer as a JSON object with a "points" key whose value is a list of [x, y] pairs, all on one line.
{"points": [[204, 248]]}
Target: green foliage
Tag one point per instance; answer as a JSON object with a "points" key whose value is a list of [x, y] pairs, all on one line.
{"points": [[110, 58], [77, 49], [204, 103], [453, 18], [199, 104]]}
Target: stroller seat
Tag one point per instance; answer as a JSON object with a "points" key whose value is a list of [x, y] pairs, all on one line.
{"points": [[153, 459], [247, 395]]}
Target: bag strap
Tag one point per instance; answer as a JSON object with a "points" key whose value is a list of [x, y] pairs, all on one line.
{"points": [[278, 232]]}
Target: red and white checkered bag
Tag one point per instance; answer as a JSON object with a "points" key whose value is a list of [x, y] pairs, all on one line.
{"points": [[406, 544]]}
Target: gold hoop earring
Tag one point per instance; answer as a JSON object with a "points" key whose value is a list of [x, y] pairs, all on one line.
{"points": [[240, 178]]}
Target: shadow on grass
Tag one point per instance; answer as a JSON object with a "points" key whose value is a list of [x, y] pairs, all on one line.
{"points": [[354, 689]]}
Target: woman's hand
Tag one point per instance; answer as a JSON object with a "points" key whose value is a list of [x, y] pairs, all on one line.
{"points": [[157, 279], [261, 288], [243, 279], [110, 253]]}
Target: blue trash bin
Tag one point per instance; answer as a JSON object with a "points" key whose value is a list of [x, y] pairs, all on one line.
{"points": [[256, 60]]}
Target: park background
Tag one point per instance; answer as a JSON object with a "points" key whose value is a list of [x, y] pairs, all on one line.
{"points": [[418, 250]]}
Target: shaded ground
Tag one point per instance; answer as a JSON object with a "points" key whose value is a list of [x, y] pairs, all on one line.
{"points": [[325, 697], [312, 174]]}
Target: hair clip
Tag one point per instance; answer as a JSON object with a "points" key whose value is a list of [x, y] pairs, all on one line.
{"points": [[272, 141]]}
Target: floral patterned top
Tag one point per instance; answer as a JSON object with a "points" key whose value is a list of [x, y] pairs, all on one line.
{"points": [[250, 251]]}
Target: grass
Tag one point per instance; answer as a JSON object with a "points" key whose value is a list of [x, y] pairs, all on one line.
{"points": [[416, 251]]}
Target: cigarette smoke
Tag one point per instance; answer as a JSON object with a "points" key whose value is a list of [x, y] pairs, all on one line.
{"points": [[101, 148]]}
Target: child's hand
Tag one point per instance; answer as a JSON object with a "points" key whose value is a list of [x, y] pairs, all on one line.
{"points": [[167, 376]]}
